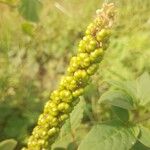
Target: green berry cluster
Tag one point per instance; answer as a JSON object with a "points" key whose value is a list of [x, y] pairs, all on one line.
{"points": [[82, 66]]}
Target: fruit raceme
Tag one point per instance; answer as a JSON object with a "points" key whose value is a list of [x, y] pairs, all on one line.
{"points": [[82, 66]]}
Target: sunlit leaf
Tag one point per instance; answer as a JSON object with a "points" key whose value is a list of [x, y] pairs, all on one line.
{"points": [[75, 118], [117, 98], [110, 136], [127, 86], [143, 88], [144, 137], [9, 144]]}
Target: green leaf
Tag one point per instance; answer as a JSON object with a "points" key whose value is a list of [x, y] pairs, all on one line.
{"points": [[62, 142], [77, 114], [9, 144], [16, 127], [67, 140], [72, 146], [138, 89], [70, 125], [29, 9], [143, 88], [144, 137], [117, 98], [75, 118], [139, 146], [128, 87], [112, 136], [122, 114], [90, 91]]}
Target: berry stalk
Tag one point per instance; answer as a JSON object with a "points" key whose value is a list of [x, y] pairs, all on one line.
{"points": [[82, 66]]}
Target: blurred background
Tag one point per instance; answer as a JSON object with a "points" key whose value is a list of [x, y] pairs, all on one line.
{"points": [[37, 39]]}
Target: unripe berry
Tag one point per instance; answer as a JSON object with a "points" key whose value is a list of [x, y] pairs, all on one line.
{"points": [[53, 111], [82, 46], [64, 81], [74, 63], [82, 56], [96, 55], [54, 122], [102, 34], [90, 28], [88, 32], [35, 130], [84, 60], [63, 117], [93, 43], [81, 75], [49, 118], [87, 38], [40, 142], [49, 105], [70, 70], [78, 92], [42, 119], [39, 132], [55, 96], [66, 96], [69, 83], [31, 142], [73, 85], [92, 69], [52, 131], [63, 107], [91, 46]]}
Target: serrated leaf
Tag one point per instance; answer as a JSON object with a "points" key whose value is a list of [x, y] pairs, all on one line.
{"points": [[29, 9], [143, 88], [122, 114], [110, 136], [144, 137], [138, 89], [9, 144], [117, 98], [127, 86]]}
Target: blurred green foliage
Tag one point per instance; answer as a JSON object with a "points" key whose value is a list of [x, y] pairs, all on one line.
{"points": [[36, 45]]}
